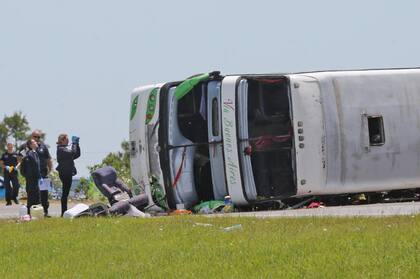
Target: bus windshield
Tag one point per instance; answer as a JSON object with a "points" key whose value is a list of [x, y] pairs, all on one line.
{"points": [[194, 151]]}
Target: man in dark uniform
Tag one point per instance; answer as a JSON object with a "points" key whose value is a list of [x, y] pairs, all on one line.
{"points": [[9, 162], [45, 164], [30, 169]]}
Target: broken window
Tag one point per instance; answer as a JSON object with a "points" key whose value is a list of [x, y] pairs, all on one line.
{"points": [[268, 107], [376, 130], [192, 114], [270, 136]]}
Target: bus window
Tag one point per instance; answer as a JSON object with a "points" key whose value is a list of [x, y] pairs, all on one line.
{"points": [[376, 130], [215, 116], [189, 132], [192, 115]]}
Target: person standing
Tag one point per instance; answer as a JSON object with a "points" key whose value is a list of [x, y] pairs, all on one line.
{"points": [[46, 165], [30, 169], [9, 163], [66, 168]]}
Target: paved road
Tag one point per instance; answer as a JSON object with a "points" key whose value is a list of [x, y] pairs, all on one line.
{"points": [[13, 210], [386, 209], [380, 209]]}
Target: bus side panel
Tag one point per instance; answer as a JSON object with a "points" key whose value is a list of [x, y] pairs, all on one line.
{"points": [[139, 160], [350, 98], [309, 136]]}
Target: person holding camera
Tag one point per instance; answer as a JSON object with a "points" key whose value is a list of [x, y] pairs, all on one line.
{"points": [[66, 168]]}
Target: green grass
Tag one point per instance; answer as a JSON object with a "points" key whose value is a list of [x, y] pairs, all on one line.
{"points": [[175, 247]]}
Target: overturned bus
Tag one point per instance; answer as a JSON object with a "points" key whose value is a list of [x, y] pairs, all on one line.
{"points": [[272, 137]]}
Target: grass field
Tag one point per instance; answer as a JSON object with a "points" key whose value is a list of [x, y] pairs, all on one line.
{"points": [[183, 247]]}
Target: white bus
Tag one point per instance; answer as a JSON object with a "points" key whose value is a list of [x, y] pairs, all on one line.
{"points": [[278, 136]]}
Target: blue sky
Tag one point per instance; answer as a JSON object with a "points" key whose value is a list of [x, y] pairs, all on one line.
{"points": [[70, 65]]}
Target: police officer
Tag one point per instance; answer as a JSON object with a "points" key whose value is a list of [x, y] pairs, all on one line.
{"points": [[45, 163], [9, 163], [66, 168], [30, 169]]}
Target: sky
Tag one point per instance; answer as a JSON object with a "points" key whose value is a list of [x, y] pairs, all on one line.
{"points": [[70, 66]]}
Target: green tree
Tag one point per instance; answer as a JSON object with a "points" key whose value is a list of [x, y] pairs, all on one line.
{"points": [[3, 137], [17, 126], [88, 187]]}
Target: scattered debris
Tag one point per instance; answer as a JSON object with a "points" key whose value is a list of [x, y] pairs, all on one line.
{"points": [[209, 207], [228, 205], [76, 211], [359, 198], [134, 212], [302, 203], [120, 197], [23, 210], [180, 212], [233, 228], [37, 212], [203, 225], [25, 218], [180, 206], [316, 205]]}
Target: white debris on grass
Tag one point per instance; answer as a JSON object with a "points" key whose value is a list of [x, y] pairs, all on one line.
{"points": [[202, 225], [233, 228]]}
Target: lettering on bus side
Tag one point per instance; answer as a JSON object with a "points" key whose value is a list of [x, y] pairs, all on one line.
{"points": [[229, 141]]}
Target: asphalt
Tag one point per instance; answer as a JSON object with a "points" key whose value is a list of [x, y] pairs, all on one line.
{"points": [[384, 209], [13, 210], [372, 210]]}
